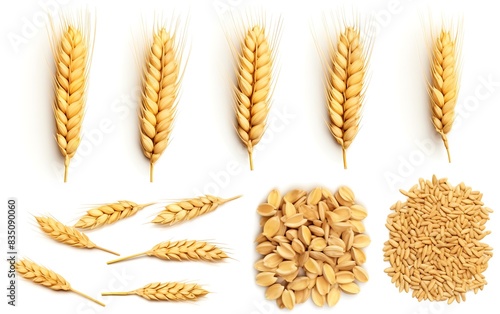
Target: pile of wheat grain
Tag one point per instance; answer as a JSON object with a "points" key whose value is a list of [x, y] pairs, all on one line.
{"points": [[434, 246], [311, 246]]}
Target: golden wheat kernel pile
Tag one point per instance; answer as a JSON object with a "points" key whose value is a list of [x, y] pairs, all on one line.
{"points": [[434, 245], [311, 246]]}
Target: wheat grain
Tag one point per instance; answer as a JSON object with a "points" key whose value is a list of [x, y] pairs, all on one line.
{"points": [[444, 87], [345, 87], [434, 245], [108, 214], [67, 235], [252, 95], [311, 245], [185, 250], [46, 277], [189, 209], [159, 97], [72, 63], [166, 291]]}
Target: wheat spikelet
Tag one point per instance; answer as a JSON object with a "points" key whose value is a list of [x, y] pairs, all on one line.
{"points": [[160, 87], [166, 291], [46, 277], [345, 87], [67, 235], [108, 214], [189, 209], [443, 88], [184, 250], [72, 61], [254, 87]]}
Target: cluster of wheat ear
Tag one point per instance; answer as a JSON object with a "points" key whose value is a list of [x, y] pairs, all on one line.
{"points": [[159, 96], [72, 62], [46, 277], [444, 84], [109, 213], [166, 291]]}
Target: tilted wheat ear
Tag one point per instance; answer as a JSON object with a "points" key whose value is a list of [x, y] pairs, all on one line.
{"points": [[443, 88], [189, 209], [166, 291], [67, 235], [345, 87], [108, 214], [159, 96], [46, 277], [72, 61], [254, 88], [185, 250]]}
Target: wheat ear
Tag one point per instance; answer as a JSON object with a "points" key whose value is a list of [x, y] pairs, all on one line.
{"points": [[159, 96], [166, 291], [72, 61], [345, 88], [254, 88], [108, 214], [46, 277], [443, 88], [67, 235], [189, 209], [185, 250]]}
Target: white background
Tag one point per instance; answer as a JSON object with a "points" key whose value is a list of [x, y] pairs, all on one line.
{"points": [[298, 152]]}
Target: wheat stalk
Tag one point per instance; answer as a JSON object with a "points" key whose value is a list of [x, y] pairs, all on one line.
{"points": [[108, 214], [254, 87], [72, 61], [184, 250], [443, 88], [166, 291], [159, 96], [345, 87], [46, 277], [189, 209], [67, 235]]}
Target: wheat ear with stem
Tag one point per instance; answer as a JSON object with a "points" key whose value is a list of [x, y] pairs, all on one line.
{"points": [[185, 250], [444, 87], [166, 291], [67, 235], [72, 62], [159, 96], [189, 209], [108, 214], [48, 278]]}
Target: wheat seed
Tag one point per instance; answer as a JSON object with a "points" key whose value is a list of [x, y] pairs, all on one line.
{"points": [[311, 246], [185, 250], [189, 209], [67, 235], [159, 97], [108, 214], [345, 87], [48, 278], [71, 49], [444, 85], [434, 245], [166, 291]]}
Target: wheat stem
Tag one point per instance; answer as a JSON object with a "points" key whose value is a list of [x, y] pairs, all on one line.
{"points": [[445, 142], [344, 157], [66, 166], [151, 170], [127, 257], [88, 297], [250, 158], [106, 250], [117, 293]]}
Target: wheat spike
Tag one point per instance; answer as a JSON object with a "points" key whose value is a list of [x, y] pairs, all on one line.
{"points": [[345, 88], [72, 61], [189, 209], [108, 214], [443, 88], [166, 291], [184, 250], [46, 277], [159, 96], [254, 87], [67, 235]]}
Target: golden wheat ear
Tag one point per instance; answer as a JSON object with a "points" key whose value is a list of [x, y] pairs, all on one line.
{"points": [[71, 47], [166, 291]]}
